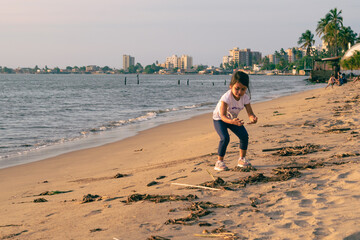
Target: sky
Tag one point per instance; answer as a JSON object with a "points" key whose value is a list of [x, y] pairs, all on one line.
{"points": [[60, 33]]}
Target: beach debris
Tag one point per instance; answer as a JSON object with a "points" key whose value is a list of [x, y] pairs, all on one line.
{"points": [[277, 113], [300, 166], [120, 175], [220, 232], [283, 174], [298, 150], [96, 230], [14, 235], [244, 169], [53, 193], [205, 205], [190, 219], [204, 224], [152, 183], [11, 225], [159, 198], [345, 155], [308, 98], [160, 177], [198, 210], [337, 130], [273, 125], [138, 150], [91, 198], [178, 178], [195, 186], [212, 176], [157, 238], [39, 200]]}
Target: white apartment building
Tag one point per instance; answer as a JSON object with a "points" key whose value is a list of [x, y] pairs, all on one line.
{"points": [[173, 62], [186, 62], [183, 62]]}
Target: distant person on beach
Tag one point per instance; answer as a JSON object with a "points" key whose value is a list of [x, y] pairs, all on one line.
{"points": [[356, 79], [331, 81], [225, 117]]}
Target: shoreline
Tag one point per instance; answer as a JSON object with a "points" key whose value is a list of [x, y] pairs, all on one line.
{"points": [[307, 206], [100, 139]]}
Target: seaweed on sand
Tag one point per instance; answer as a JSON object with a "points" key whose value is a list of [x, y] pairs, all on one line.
{"points": [[198, 210], [244, 169], [298, 150], [39, 200], [53, 192], [91, 198], [157, 238], [217, 183], [159, 198], [220, 232]]}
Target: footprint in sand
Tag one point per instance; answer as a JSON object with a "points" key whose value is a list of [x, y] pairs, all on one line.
{"points": [[304, 214], [275, 214], [321, 232], [305, 203], [294, 194], [301, 223]]}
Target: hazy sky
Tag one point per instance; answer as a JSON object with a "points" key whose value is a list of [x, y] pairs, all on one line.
{"points": [[87, 32]]}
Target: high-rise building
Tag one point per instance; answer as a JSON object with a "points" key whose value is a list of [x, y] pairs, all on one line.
{"points": [[173, 62], [186, 62], [243, 57], [256, 57], [128, 61]]}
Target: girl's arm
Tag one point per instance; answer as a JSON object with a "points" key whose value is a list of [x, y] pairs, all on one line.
{"points": [[224, 118], [251, 114]]}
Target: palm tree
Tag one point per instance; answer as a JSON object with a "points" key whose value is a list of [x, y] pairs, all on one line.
{"points": [[328, 28], [336, 20], [306, 41], [346, 36]]}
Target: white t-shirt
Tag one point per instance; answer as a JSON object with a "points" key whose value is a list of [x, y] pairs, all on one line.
{"points": [[234, 106]]}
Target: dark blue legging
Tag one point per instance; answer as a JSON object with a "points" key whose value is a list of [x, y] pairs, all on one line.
{"points": [[222, 129]]}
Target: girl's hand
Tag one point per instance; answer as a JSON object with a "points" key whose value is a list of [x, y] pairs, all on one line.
{"points": [[237, 122], [253, 119]]}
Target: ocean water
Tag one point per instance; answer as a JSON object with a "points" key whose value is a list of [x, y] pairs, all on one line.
{"points": [[46, 115]]}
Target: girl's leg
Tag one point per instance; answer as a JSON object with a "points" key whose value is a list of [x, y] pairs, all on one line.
{"points": [[221, 129], [243, 136]]}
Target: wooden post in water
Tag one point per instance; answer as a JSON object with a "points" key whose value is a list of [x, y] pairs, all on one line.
{"points": [[225, 82], [125, 81], [138, 79], [179, 82], [187, 82], [213, 84]]}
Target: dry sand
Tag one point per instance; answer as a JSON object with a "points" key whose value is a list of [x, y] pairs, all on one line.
{"points": [[316, 197]]}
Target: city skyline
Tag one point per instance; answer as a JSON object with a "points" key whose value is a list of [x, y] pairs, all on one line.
{"points": [[67, 33]]}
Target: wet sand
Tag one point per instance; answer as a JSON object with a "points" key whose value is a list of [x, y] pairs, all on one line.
{"points": [[304, 184]]}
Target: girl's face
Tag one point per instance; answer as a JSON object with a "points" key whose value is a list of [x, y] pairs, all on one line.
{"points": [[238, 90]]}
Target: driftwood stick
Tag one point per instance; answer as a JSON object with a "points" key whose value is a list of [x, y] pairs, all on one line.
{"points": [[212, 235], [338, 129], [211, 175], [272, 149], [195, 186]]}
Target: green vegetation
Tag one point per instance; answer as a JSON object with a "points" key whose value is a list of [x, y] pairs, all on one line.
{"points": [[352, 63]]}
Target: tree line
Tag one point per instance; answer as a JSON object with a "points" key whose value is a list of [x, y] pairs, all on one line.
{"points": [[335, 36]]}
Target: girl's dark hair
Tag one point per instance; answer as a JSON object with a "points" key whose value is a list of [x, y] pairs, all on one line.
{"points": [[241, 77]]}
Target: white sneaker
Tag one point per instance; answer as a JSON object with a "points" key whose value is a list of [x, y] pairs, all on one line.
{"points": [[220, 166], [242, 162]]}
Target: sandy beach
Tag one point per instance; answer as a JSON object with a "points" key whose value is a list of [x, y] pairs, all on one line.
{"points": [[304, 184]]}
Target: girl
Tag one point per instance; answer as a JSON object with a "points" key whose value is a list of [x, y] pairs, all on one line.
{"points": [[225, 117], [331, 81]]}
